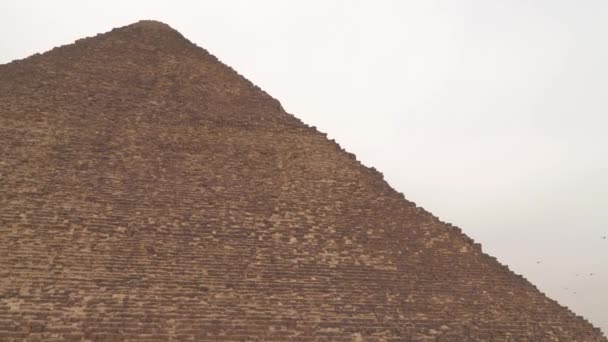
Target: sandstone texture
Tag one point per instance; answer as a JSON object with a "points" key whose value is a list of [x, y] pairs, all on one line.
{"points": [[150, 192]]}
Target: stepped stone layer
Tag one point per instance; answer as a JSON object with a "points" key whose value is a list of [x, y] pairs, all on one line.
{"points": [[149, 192]]}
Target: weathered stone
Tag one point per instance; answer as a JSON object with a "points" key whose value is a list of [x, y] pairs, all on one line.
{"points": [[149, 192]]}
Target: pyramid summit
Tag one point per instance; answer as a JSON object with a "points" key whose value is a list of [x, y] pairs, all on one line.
{"points": [[150, 192]]}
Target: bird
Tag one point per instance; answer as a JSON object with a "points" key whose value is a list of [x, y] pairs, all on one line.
{"points": [[538, 262], [604, 237], [590, 274]]}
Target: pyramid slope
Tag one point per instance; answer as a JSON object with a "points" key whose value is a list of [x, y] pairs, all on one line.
{"points": [[149, 192]]}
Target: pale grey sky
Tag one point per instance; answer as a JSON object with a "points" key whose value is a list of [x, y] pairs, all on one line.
{"points": [[491, 114]]}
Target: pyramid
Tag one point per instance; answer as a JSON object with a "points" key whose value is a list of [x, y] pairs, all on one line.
{"points": [[150, 192]]}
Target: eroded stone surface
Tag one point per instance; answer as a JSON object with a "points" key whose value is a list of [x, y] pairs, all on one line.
{"points": [[149, 192]]}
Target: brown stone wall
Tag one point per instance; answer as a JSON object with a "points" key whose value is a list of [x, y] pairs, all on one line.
{"points": [[149, 192]]}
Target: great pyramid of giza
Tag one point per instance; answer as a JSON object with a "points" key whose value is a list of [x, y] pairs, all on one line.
{"points": [[150, 192]]}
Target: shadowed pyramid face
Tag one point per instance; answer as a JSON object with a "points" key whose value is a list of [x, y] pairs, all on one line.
{"points": [[147, 191]]}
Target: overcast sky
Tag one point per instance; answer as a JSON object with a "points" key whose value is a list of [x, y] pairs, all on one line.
{"points": [[493, 115]]}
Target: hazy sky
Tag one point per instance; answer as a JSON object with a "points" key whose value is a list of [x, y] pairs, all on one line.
{"points": [[493, 115]]}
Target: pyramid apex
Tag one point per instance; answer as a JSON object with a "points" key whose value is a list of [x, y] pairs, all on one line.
{"points": [[153, 27], [151, 24]]}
